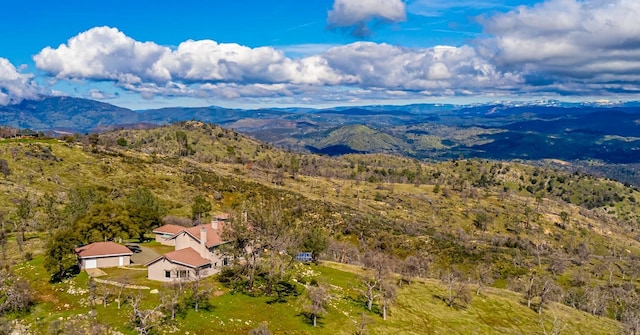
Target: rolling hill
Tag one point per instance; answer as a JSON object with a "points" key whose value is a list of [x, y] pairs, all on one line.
{"points": [[520, 223]]}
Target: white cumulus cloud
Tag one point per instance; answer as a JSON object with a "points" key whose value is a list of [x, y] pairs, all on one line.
{"points": [[103, 53], [570, 42], [356, 15], [14, 85], [206, 68]]}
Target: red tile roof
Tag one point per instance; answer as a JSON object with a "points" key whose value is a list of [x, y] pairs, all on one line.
{"points": [[187, 257], [98, 249], [214, 236], [169, 229]]}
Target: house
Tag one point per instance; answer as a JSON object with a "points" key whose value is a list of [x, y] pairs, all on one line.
{"points": [[103, 255], [164, 233], [197, 254], [180, 264]]}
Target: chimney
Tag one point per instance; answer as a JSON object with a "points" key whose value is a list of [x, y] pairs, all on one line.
{"points": [[214, 224], [203, 236]]}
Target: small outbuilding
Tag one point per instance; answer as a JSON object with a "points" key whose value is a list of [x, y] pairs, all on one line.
{"points": [[103, 255]]}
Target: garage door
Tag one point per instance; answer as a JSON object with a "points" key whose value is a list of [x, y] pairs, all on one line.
{"points": [[91, 263]]}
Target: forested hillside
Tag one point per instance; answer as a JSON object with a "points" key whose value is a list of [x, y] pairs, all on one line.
{"points": [[484, 241]]}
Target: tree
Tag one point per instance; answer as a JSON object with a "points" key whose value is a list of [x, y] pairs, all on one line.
{"points": [[200, 208], [15, 293], [24, 212], [123, 282], [199, 292], [80, 200], [50, 203], [265, 236], [105, 293], [388, 290], [318, 301], [4, 168], [105, 221], [170, 297], [457, 290], [483, 275], [482, 220], [3, 235], [528, 214], [59, 257], [143, 320], [414, 266], [547, 291], [539, 289], [315, 240], [566, 218], [262, 329], [631, 320], [145, 211], [369, 290]]}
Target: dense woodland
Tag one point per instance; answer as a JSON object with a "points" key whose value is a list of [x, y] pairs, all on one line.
{"points": [[467, 227]]}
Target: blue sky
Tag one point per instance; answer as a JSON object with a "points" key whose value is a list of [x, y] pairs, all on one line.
{"points": [[320, 53]]}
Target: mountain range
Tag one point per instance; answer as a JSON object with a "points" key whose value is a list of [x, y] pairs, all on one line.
{"points": [[601, 137]]}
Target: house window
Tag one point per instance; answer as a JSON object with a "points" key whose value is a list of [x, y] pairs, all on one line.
{"points": [[167, 274], [183, 274], [225, 261]]}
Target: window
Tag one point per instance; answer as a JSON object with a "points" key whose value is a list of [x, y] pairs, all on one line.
{"points": [[225, 261], [183, 274], [167, 274]]}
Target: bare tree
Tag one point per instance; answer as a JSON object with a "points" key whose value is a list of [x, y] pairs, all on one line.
{"points": [[171, 298], [594, 297], [4, 168], [388, 293], [538, 290], [555, 328], [483, 276], [199, 292], [631, 320], [143, 320], [369, 290], [105, 293], [365, 320], [93, 293], [318, 301], [262, 329], [457, 289], [547, 291], [15, 293], [123, 283], [3, 235]]}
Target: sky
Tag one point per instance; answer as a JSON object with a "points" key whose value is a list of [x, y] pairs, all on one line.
{"points": [[250, 54]]}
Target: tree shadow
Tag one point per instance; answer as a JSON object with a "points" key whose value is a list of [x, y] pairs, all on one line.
{"points": [[284, 290], [308, 319]]}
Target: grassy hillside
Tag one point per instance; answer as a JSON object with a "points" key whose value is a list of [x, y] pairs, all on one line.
{"points": [[418, 310], [514, 222]]}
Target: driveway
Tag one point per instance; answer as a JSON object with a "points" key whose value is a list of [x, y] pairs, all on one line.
{"points": [[145, 256]]}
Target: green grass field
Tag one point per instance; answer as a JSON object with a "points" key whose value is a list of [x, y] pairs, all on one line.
{"points": [[418, 309]]}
